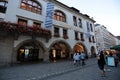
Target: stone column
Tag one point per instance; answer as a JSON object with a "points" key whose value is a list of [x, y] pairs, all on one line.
{"points": [[71, 54], [46, 55], [14, 56], [61, 32], [6, 49]]}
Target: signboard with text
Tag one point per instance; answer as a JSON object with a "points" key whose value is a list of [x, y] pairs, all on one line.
{"points": [[49, 15]]}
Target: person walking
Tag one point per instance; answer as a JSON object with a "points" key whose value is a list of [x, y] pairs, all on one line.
{"points": [[118, 54], [83, 58], [76, 58], [101, 63], [116, 59]]}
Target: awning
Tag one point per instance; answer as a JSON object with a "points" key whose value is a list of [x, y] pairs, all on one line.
{"points": [[116, 47]]}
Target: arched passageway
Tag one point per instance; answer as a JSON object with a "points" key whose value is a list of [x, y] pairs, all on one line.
{"points": [[59, 51], [79, 47], [29, 51]]}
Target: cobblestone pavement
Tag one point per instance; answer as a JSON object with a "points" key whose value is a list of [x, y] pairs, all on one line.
{"points": [[89, 73], [64, 70]]}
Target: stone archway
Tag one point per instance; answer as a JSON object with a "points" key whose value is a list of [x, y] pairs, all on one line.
{"points": [[60, 50], [93, 54], [30, 51], [79, 47]]}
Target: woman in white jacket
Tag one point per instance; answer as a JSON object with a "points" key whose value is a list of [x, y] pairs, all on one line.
{"points": [[76, 58]]}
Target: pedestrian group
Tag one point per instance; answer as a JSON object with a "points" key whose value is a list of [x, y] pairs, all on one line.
{"points": [[103, 59], [79, 58]]}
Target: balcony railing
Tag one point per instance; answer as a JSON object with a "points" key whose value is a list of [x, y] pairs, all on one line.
{"points": [[14, 28]]}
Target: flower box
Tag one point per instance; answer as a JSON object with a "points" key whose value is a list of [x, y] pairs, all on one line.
{"points": [[23, 29]]}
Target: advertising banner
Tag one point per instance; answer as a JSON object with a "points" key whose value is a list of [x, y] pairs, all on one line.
{"points": [[49, 15]]}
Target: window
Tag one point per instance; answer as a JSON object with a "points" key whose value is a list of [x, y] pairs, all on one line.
{"points": [[82, 36], [65, 36], [74, 21], [3, 6], [22, 25], [35, 24], [80, 23], [22, 22], [91, 27], [93, 39], [31, 5], [76, 36], [87, 24], [60, 16], [90, 40], [56, 32]]}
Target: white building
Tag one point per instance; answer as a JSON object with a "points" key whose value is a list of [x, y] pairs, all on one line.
{"points": [[104, 38], [117, 40], [36, 30]]}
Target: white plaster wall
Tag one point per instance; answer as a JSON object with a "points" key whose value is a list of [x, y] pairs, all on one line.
{"points": [[2, 16]]}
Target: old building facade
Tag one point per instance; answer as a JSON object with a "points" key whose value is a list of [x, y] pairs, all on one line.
{"points": [[43, 30]]}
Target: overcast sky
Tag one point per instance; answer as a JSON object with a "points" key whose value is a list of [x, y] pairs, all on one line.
{"points": [[104, 12]]}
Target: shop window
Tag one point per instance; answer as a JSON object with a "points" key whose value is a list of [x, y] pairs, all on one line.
{"points": [[27, 55]]}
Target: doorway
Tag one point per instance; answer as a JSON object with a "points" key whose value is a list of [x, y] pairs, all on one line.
{"points": [[28, 52], [59, 51]]}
